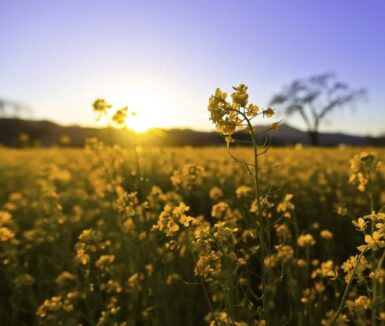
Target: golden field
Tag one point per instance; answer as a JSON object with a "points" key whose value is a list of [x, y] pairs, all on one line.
{"points": [[152, 236]]}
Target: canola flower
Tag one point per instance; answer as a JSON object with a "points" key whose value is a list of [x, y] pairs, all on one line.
{"points": [[101, 107], [363, 167], [218, 236], [230, 116], [306, 240], [184, 246], [6, 234]]}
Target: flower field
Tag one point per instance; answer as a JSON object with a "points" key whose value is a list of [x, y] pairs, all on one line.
{"points": [[114, 236], [192, 163]]}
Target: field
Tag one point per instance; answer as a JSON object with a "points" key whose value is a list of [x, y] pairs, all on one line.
{"points": [[151, 236]]}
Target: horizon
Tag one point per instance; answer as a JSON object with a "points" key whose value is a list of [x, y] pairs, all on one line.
{"points": [[181, 128], [164, 60]]}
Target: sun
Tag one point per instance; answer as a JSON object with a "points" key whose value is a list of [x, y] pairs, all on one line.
{"points": [[148, 107], [138, 124]]}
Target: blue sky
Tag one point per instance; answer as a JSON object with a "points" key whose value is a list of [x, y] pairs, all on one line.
{"points": [[165, 58]]}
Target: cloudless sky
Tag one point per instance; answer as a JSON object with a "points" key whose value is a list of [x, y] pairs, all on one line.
{"points": [[165, 58]]}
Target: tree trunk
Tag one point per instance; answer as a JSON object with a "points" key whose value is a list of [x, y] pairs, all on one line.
{"points": [[314, 139]]}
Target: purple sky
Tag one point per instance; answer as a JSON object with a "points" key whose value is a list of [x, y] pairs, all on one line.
{"points": [[165, 58]]}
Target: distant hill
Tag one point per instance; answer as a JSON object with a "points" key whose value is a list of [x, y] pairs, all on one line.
{"points": [[46, 133]]}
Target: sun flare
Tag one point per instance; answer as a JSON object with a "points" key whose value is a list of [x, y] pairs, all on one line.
{"points": [[148, 106], [138, 123]]}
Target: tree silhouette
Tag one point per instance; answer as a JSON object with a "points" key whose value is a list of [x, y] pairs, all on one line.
{"points": [[11, 109], [314, 99]]}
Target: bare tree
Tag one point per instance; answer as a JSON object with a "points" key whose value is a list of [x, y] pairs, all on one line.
{"points": [[314, 99], [11, 109]]}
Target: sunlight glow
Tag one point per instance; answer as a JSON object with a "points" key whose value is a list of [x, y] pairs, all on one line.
{"points": [[152, 106]]}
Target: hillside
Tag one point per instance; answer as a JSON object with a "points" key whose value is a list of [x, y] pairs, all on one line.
{"points": [[46, 133]]}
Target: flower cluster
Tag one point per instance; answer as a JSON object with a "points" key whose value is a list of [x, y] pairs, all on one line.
{"points": [[363, 166], [189, 176], [228, 116], [173, 218]]}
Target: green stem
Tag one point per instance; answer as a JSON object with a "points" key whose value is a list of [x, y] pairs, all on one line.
{"points": [[138, 171], [374, 281], [263, 245], [371, 203], [263, 248], [201, 282], [347, 288], [374, 289]]}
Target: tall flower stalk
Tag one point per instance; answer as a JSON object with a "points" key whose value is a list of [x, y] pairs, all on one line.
{"points": [[120, 118], [228, 117], [363, 168]]}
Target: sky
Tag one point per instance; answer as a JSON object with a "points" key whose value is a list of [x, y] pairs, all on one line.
{"points": [[163, 58]]}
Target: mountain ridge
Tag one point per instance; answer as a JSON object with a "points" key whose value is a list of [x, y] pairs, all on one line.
{"points": [[47, 133]]}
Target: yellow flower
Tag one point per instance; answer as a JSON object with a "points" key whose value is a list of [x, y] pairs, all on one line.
{"points": [[252, 110], [171, 216], [6, 234], [326, 270], [120, 116], [111, 287], [5, 217], [326, 234], [82, 256], [149, 269], [215, 193], [173, 278], [274, 126], [208, 264], [133, 281], [240, 95], [189, 176], [227, 116], [220, 95], [306, 240], [376, 216], [362, 301], [285, 252], [104, 260], [186, 221], [101, 106], [348, 267], [362, 168], [360, 224], [54, 305], [375, 240], [268, 112], [286, 206], [271, 261], [219, 210], [228, 141], [243, 191], [64, 277], [301, 263]]}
